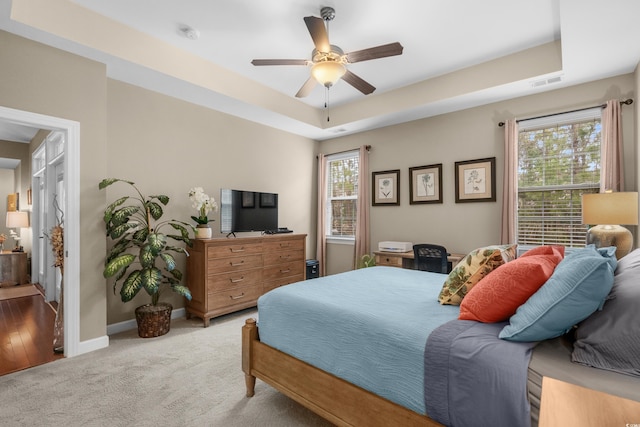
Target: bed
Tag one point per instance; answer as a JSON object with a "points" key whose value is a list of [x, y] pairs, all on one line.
{"points": [[399, 358]]}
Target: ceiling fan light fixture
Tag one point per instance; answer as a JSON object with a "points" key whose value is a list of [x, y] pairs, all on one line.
{"points": [[327, 73]]}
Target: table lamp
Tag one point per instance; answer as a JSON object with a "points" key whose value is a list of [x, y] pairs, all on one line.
{"points": [[609, 211], [17, 219]]}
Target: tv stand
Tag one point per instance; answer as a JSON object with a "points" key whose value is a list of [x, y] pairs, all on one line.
{"points": [[227, 275], [232, 234]]}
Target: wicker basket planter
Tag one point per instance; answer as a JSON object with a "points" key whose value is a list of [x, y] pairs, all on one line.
{"points": [[153, 320]]}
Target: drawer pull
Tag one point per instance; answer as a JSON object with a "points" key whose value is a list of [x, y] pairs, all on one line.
{"points": [[235, 250], [285, 256], [237, 296], [237, 280], [285, 245], [285, 271], [235, 264]]}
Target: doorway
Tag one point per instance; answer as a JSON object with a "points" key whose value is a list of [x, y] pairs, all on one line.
{"points": [[70, 168]]}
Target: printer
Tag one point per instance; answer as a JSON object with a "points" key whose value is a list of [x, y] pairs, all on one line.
{"points": [[395, 246]]}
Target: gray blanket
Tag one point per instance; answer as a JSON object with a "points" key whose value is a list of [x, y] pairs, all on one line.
{"points": [[473, 378]]}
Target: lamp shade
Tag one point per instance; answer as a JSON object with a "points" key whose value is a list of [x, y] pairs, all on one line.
{"points": [[610, 208], [17, 219], [327, 73]]}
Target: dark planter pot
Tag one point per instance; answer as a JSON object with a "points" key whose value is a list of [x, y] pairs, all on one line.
{"points": [[153, 320]]}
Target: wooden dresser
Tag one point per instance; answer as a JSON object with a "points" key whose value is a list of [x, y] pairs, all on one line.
{"points": [[227, 275], [13, 268]]}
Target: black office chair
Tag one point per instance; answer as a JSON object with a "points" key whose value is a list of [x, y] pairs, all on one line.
{"points": [[429, 257]]}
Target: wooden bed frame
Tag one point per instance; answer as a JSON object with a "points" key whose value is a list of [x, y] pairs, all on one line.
{"points": [[334, 399]]}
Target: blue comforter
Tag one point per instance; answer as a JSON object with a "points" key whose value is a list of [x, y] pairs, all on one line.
{"points": [[370, 327], [377, 344]]}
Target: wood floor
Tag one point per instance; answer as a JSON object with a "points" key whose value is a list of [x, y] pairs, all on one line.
{"points": [[26, 333]]}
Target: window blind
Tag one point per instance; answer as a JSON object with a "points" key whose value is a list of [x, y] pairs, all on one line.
{"points": [[558, 161]]}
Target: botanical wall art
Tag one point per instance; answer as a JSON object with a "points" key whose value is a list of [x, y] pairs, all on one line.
{"points": [[425, 184], [13, 202], [386, 188], [476, 180]]}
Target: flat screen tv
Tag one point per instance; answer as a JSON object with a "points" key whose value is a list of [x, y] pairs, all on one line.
{"points": [[247, 211]]}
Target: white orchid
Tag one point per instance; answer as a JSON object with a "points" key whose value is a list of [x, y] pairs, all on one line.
{"points": [[203, 203]]}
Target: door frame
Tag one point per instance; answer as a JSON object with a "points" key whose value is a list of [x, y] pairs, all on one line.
{"points": [[71, 299]]}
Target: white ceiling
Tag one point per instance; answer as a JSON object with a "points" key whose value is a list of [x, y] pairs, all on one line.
{"points": [[441, 38]]}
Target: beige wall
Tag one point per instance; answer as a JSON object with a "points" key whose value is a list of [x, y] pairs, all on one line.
{"points": [[464, 135], [39, 79], [168, 146], [14, 180], [6, 187]]}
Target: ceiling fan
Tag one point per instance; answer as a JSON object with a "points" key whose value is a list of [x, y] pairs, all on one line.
{"points": [[329, 62]]}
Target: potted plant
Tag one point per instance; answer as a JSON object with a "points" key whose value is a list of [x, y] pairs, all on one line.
{"points": [[142, 256], [204, 204], [367, 260]]}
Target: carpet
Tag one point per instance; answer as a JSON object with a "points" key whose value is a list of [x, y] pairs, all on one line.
{"points": [[18, 291], [190, 377]]}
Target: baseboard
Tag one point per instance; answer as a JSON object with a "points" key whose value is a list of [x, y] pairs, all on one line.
{"points": [[127, 325], [92, 345]]}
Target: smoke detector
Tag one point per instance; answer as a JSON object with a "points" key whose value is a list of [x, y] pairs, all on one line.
{"points": [[190, 33]]}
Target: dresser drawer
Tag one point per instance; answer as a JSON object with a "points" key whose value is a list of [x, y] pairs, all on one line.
{"points": [[283, 245], [272, 284], [229, 250], [235, 295], [220, 282], [272, 258], [283, 270], [225, 265], [389, 260]]}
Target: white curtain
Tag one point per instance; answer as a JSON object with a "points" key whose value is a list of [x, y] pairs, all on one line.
{"points": [[321, 246], [362, 238], [612, 169], [510, 183]]}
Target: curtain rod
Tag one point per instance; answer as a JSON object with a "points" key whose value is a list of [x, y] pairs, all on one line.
{"points": [[625, 102], [367, 147]]}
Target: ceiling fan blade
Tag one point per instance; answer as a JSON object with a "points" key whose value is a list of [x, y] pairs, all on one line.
{"points": [[259, 62], [306, 88], [358, 83], [318, 33], [382, 51]]}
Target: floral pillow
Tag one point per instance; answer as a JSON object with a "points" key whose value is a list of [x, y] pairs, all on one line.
{"points": [[508, 251], [476, 265]]}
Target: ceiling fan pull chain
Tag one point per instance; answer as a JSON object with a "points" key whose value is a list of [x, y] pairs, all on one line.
{"points": [[326, 100]]}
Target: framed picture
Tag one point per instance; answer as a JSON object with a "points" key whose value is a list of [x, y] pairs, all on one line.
{"points": [[425, 184], [248, 199], [476, 180], [386, 188], [13, 202], [267, 200]]}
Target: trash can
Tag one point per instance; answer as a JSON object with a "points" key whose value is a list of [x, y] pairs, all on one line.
{"points": [[313, 269]]}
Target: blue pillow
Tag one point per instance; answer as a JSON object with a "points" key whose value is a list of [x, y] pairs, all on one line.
{"points": [[578, 287]]}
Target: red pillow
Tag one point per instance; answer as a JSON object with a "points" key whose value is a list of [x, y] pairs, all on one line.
{"points": [[496, 297]]}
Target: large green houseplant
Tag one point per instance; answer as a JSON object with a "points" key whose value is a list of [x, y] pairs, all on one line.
{"points": [[142, 257]]}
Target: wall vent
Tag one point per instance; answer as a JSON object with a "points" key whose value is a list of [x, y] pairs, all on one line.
{"points": [[545, 82]]}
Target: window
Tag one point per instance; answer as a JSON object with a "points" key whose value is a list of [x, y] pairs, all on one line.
{"points": [[342, 194], [558, 161]]}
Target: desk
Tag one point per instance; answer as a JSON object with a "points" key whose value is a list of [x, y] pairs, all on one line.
{"points": [[13, 268], [405, 259]]}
